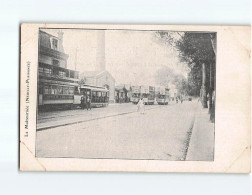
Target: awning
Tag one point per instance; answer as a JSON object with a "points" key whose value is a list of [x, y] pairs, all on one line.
{"points": [[94, 88]]}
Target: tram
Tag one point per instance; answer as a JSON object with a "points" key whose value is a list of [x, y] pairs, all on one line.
{"points": [[135, 94], [162, 95], [99, 95], [148, 94], [51, 97]]}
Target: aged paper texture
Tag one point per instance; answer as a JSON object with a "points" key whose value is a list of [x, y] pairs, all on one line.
{"points": [[138, 98]]}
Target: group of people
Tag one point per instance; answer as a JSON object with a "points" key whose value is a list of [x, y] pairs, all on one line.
{"points": [[179, 99], [85, 102]]}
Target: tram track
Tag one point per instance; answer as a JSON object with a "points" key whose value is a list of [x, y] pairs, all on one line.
{"points": [[58, 116], [92, 119]]}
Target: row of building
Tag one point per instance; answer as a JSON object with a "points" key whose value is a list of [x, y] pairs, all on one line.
{"points": [[59, 85], [57, 82]]}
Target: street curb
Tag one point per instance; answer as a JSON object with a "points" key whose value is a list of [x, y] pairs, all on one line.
{"points": [[82, 121]]}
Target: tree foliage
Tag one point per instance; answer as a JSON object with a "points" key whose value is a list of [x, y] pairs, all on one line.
{"points": [[194, 49], [165, 76]]}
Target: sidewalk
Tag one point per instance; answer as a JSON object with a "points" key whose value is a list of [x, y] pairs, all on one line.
{"points": [[201, 146]]}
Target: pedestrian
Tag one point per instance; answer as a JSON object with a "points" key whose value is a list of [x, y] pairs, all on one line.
{"points": [[141, 106], [82, 102], [88, 103]]}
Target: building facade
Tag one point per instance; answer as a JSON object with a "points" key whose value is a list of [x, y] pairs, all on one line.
{"points": [[100, 77], [56, 83]]}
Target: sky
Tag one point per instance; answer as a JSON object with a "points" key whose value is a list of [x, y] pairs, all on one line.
{"points": [[131, 57]]}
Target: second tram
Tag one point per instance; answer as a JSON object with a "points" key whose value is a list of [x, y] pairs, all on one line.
{"points": [[162, 95], [148, 94], [135, 94]]}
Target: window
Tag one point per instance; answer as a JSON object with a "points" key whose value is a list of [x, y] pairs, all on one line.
{"points": [[55, 44], [55, 62], [40, 89], [47, 70], [53, 89], [72, 74], [145, 95], [62, 74], [40, 70], [71, 91], [59, 90], [46, 89], [65, 90]]}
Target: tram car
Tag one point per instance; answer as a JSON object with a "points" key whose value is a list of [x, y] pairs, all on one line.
{"points": [[148, 94], [99, 95], [135, 94], [162, 95], [52, 97]]}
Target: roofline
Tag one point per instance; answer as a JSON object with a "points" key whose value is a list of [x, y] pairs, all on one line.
{"points": [[98, 74], [48, 33], [107, 72]]}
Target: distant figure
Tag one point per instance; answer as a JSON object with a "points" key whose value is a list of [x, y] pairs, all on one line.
{"points": [[176, 99], [88, 103], [82, 102], [181, 100], [85, 101], [141, 106]]}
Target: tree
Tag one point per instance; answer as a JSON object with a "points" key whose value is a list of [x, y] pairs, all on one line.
{"points": [[166, 76], [197, 50]]}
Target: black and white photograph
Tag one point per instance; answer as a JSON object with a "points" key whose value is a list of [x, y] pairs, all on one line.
{"points": [[141, 98], [125, 97], [126, 94]]}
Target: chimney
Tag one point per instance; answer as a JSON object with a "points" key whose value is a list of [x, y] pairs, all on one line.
{"points": [[100, 51], [60, 37]]}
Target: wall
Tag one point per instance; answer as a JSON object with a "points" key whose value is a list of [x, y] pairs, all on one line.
{"points": [[91, 81], [49, 60], [106, 79]]}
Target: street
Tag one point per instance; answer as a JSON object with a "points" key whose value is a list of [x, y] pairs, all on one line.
{"points": [[117, 131]]}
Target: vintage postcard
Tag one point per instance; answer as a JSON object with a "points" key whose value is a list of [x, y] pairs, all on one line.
{"points": [[145, 98]]}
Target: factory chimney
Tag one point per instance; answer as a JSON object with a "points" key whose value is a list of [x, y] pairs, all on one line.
{"points": [[100, 51]]}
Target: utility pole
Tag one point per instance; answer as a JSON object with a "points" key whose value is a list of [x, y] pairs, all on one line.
{"points": [[75, 64]]}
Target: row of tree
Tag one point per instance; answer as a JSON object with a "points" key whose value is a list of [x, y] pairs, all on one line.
{"points": [[198, 51]]}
